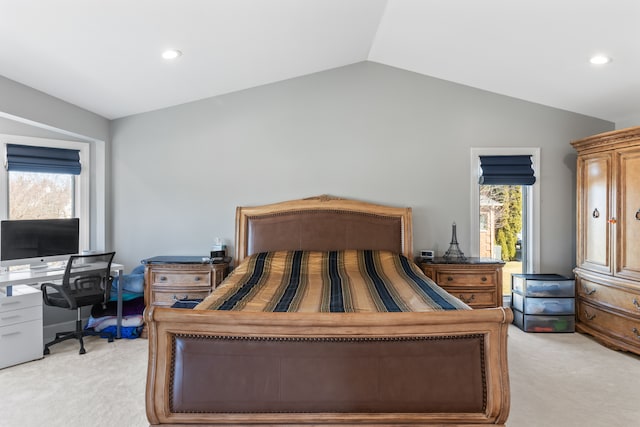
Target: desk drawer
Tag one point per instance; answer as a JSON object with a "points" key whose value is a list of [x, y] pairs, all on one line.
{"points": [[23, 296], [18, 316], [20, 343]]}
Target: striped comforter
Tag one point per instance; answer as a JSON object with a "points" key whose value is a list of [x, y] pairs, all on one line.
{"points": [[335, 281]]}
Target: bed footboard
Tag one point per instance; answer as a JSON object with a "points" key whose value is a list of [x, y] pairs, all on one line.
{"points": [[229, 368]]}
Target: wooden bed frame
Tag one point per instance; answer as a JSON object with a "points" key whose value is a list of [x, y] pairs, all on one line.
{"points": [[327, 369]]}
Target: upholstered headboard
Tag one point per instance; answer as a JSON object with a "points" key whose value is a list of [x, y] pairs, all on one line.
{"points": [[322, 223]]}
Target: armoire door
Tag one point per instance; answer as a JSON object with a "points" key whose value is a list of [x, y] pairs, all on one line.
{"points": [[595, 204], [628, 221]]}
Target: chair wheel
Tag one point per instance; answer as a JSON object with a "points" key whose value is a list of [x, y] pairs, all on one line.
{"points": [[83, 351], [46, 351]]}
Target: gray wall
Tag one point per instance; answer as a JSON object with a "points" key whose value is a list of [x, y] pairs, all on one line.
{"points": [[364, 131], [28, 112]]}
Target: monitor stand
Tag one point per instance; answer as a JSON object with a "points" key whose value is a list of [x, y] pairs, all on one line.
{"points": [[45, 267]]}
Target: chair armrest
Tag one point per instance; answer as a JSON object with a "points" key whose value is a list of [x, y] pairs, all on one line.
{"points": [[61, 291]]}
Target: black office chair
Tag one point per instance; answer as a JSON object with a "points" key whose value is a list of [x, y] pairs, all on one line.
{"points": [[86, 281]]}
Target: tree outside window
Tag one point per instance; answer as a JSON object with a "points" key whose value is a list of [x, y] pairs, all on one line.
{"points": [[502, 205], [34, 195]]}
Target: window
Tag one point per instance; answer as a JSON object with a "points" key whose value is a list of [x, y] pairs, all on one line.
{"points": [[505, 218], [33, 192], [34, 195]]}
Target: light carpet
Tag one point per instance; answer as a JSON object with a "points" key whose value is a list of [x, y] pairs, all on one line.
{"points": [[557, 380]]}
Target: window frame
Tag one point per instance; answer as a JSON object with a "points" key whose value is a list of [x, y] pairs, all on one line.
{"points": [[531, 218], [82, 182]]}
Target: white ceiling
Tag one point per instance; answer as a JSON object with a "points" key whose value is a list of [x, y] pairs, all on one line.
{"points": [[104, 55]]}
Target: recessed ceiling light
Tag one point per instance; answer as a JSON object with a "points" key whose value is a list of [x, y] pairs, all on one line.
{"points": [[599, 59], [171, 54]]}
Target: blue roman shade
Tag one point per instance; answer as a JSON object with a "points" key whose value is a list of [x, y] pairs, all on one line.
{"points": [[506, 170], [28, 158]]}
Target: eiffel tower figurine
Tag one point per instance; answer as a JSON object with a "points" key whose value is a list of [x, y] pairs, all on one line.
{"points": [[454, 253]]}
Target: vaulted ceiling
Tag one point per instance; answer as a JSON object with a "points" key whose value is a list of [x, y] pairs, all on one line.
{"points": [[105, 55]]}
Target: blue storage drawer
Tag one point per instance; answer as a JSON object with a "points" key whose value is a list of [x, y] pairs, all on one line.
{"points": [[533, 305], [543, 285]]}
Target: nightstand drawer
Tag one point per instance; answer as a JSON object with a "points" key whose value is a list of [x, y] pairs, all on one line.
{"points": [[182, 278], [166, 297], [449, 278], [476, 298]]}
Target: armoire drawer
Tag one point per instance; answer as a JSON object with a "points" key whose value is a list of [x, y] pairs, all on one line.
{"points": [[608, 296], [612, 324]]}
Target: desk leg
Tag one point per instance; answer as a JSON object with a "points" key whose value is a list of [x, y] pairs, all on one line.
{"points": [[119, 305]]}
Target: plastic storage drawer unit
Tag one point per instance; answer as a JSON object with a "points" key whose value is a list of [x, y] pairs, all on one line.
{"points": [[543, 302], [534, 305], [543, 285]]}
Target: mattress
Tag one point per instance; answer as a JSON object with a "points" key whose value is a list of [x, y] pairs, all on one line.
{"points": [[329, 281]]}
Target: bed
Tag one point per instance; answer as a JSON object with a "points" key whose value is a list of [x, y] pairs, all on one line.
{"points": [[224, 365]]}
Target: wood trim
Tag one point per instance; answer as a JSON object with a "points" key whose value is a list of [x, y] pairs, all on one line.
{"points": [[165, 323]]}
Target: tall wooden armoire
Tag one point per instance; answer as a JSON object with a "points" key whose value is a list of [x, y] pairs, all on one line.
{"points": [[608, 238]]}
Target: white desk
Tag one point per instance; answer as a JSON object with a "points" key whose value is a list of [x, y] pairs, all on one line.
{"points": [[32, 277]]}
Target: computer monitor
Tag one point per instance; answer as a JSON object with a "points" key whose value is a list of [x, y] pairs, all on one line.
{"points": [[38, 242]]}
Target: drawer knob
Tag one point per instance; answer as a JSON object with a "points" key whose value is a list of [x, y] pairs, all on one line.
{"points": [[636, 332], [467, 300], [596, 213], [589, 316], [588, 291], [484, 279], [197, 278], [175, 297], [449, 278], [636, 303], [163, 278]]}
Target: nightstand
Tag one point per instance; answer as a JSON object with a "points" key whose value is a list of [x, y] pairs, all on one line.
{"points": [[171, 278], [168, 279], [476, 281]]}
